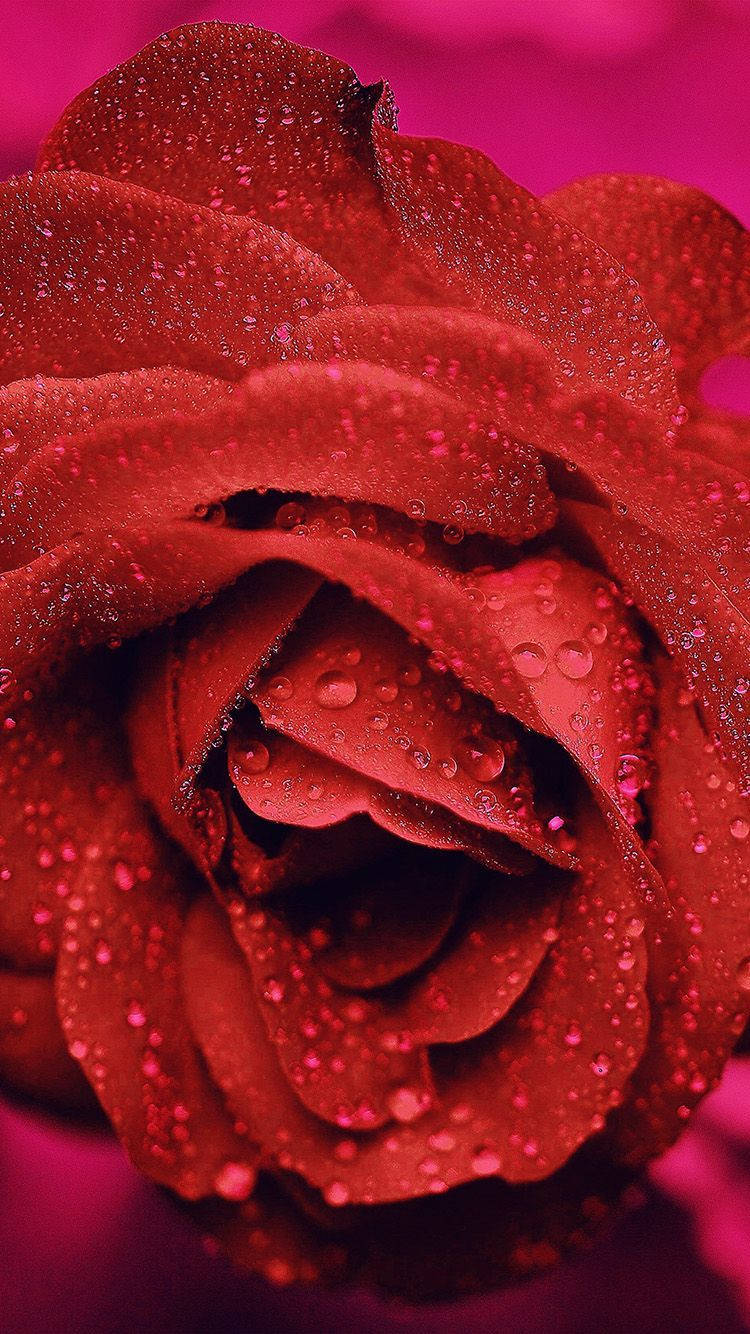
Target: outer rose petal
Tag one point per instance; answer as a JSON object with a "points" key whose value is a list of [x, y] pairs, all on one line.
{"points": [[103, 276], [700, 960], [696, 621], [39, 411], [59, 763], [122, 1013], [690, 256], [33, 1057], [356, 431], [316, 156]]}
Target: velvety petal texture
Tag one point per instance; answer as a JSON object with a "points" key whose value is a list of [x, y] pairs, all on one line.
{"points": [[375, 592]]}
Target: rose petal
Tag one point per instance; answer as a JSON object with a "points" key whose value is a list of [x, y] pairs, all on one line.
{"points": [[375, 928], [34, 1059], [356, 431], [690, 257], [506, 931], [101, 275], [122, 1012], [60, 762], [329, 1044], [700, 960], [316, 156], [302, 787], [37, 412], [696, 622], [358, 692], [516, 1102]]}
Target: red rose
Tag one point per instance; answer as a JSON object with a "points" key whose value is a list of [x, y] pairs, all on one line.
{"points": [[392, 874]]}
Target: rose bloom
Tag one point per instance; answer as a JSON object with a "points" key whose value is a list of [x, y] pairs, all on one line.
{"points": [[375, 652]]}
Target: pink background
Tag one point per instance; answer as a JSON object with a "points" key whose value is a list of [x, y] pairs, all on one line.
{"points": [[552, 89]]}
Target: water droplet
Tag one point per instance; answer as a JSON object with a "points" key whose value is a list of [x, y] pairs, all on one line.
{"points": [[406, 1104], [630, 775], [453, 533], [291, 515], [601, 1064], [530, 660], [335, 690], [234, 1181], [136, 1015], [256, 758], [574, 659], [485, 1162], [480, 757], [336, 1193], [739, 828], [596, 632], [280, 687], [386, 690], [273, 991]]}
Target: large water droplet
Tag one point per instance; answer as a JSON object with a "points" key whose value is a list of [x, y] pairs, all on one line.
{"points": [[256, 758], [480, 757], [630, 775], [485, 1162], [335, 690], [574, 659], [530, 660]]}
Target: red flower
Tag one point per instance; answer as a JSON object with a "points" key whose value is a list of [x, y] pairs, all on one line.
{"points": [[393, 874]]}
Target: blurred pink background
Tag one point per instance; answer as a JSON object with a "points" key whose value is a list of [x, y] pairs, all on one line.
{"points": [[551, 89]]}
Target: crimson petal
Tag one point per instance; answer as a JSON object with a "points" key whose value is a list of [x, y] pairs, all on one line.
{"points": [[317, 157], [690, 257], [98, 275], [34, 1059], [517, 1102], [351, 686], [700, 961], [122, 1013]]}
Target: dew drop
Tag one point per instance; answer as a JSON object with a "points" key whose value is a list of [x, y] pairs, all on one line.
{"points": [[739, 828], [136, 1015], [235, 1181], [480, 757], [630, 775], [530, 660], [596, 632], [406, 1104], [601, 1064], [291, 515], [280, 687], [574, 659], [386, 690], [335, 690], [336, 1193], [256, 758], [485, 1162]]}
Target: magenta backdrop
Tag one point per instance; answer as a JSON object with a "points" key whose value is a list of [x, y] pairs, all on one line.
{"points": [[551, 89]]}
